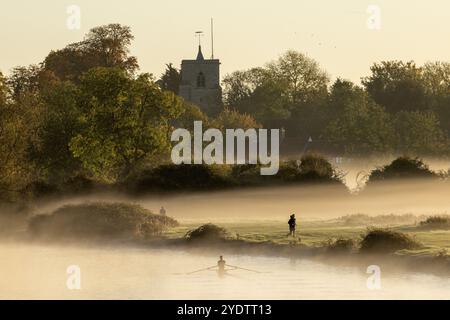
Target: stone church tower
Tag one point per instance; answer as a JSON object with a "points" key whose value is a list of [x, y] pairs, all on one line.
{"points": [[200, 83]]}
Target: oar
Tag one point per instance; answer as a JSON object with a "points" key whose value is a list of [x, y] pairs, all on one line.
{"points": [[229, 265], [204, 269]]}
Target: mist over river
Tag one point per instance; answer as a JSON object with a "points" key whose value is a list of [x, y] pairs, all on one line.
{"points": [[39, 271]]}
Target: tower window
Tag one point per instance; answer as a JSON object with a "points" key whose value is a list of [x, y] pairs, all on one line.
{"points": [[201, 80]]}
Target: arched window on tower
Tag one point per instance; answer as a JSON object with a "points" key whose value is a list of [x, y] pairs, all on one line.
{"points": [[201, 80]]}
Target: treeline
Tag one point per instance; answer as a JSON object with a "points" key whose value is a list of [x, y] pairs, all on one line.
{"points": [[401, 108], [85, 114]]}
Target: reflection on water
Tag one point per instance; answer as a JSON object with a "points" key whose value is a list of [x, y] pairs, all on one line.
{"points": [[39, 272]]}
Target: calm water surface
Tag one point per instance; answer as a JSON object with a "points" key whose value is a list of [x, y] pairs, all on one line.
{"points": [[39, 272]]}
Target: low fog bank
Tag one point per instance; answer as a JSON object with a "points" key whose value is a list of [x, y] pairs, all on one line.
{"points": [[309, 202], [420, 197], [315, 201]]}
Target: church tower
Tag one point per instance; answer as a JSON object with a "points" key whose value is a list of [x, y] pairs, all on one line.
{"points": [[200, 83]]}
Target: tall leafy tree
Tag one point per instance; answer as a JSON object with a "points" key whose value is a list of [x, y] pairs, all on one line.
{"points": [[52, 156], [287, 88], [302, 78], [436, 76], [256, 93], [170, 80], [360, 126], [3, 89], [104, 46], [230, 119], [19, 119], [124, 122], [24, 81], [420, 133], [397, 86]]}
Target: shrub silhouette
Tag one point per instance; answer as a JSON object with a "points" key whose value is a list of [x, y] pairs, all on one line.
{"points": [[316, 167], [100, 219], [436, 222], [207, 232], [400, 168], [181, 177], [170, 177], [378, 240], [310, 168]]}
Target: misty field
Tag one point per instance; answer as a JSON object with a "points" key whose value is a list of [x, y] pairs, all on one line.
{"points": [[319, 233]]}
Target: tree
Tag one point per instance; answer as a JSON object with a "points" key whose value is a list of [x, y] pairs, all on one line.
{"points": [[19, 119], [342, 93], [361, 127], [256, 93], [52, 156], [3, 89], [24, 81], [110, 45], [189, 113], [436, 76], [231, 119], [104, 46], [288, 90], [302, 78], [170, 80], [420, 133], [124, 121], [397, 86]]}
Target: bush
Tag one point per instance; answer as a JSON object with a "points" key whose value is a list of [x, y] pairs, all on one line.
{"points": [[316, 167], [99, 219], [248, 175], [202, 177], [40, 188], [436, 222], [386, 241], [172, 177], [77, 185], [207, 232], [310, 168], [400, 168]]}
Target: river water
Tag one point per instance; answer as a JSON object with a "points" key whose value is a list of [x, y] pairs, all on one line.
{"points": [[37, 271]]}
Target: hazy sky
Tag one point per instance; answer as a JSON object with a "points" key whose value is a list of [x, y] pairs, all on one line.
{"points": [[248, 33]]}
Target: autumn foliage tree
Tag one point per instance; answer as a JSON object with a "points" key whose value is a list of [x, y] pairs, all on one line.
{"points": [[123, 120], [104, 46]]}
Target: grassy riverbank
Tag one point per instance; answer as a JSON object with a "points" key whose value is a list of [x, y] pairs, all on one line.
{"points": [[319, 233]]}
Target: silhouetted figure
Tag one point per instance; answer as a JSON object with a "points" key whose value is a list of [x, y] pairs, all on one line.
{"points": [[162, 211], [292, 224], [221, 266]]}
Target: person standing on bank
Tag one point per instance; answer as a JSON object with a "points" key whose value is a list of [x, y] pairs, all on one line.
{"points": [[292, 225]]}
